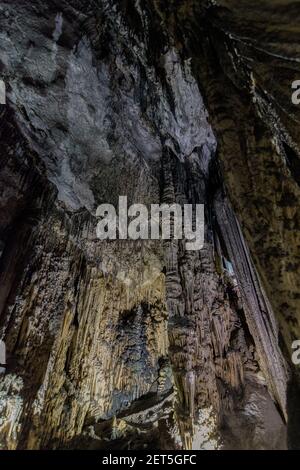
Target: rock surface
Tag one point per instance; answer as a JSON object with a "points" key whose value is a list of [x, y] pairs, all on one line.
{"points": [[133, 344]]}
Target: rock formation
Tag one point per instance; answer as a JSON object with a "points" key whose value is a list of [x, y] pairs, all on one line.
{"points": [[143, 344]]}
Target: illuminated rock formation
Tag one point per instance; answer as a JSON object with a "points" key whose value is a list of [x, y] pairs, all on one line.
{"points": [[134, 344]]}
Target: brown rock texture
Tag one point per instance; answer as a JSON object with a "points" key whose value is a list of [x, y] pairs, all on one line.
{"points": [[126, 344]]}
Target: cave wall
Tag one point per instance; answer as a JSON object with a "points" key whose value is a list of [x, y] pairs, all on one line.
{"points": [[109, 342], [246, 57]]}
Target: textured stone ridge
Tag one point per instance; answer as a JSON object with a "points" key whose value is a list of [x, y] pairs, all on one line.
{"points": [[145, 344]]}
